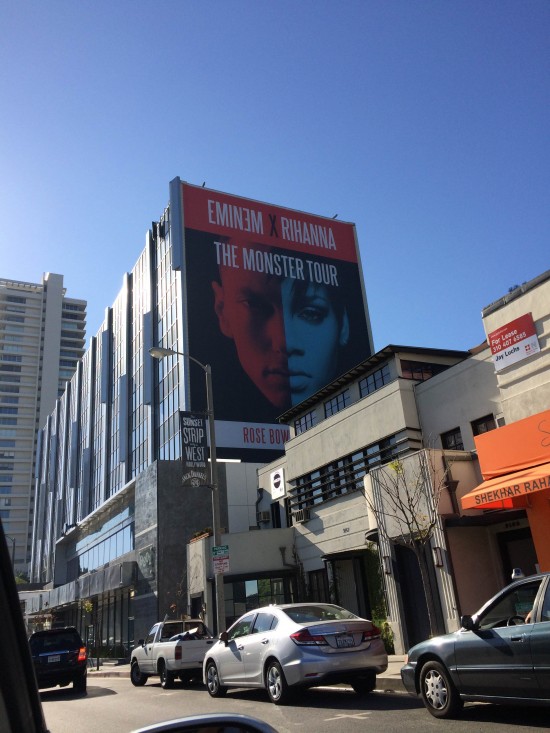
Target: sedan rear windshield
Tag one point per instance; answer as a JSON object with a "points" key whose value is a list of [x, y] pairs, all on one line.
{"points": [[311, 613]]}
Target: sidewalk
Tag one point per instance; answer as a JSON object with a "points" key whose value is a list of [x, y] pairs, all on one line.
{"points": [[390, 681]]}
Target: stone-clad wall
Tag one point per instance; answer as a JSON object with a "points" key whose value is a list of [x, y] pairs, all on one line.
{"points": [[145, 606], [166, 517], [182, 511]]}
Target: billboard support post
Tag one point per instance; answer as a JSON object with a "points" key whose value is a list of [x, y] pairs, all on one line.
{"points": [[160, 352]]}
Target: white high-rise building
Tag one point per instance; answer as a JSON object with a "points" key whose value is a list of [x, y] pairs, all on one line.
{"points": [[42, 335]]}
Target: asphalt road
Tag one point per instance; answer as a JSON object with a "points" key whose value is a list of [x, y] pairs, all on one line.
{"points": [[113, 705]]}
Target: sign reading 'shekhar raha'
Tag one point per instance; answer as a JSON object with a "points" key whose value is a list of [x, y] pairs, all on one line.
{"points": [[513, 342]]}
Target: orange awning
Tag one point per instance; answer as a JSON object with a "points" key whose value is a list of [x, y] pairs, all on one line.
{"points": [[504, 491], [514, 447]]}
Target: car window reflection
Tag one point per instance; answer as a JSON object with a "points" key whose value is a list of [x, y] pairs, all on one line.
{"points": [[511, 608], [264, 622], [242, 628]]}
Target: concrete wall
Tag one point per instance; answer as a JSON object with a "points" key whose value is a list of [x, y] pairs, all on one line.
{"points": [[476, 566], [242, 495], [525, 385], [385, 412], [249, 553], [337, 526], [458, 396]]}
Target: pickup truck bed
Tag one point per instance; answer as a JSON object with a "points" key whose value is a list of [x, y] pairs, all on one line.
{"points": [[172, 649]]}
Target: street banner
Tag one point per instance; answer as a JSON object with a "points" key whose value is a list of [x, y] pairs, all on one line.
{"points": [[194, 449]]}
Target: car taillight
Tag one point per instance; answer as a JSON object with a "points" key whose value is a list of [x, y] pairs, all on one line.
{"points": [[178, 652], [374, 633], [305, 637], [81, 654]]}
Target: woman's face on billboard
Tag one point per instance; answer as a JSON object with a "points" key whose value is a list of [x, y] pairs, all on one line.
{"points": [[314, 333], [287, 333]]}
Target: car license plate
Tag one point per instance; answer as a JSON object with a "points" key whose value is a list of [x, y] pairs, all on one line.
{"points": [[346, 640], [54, 658]]}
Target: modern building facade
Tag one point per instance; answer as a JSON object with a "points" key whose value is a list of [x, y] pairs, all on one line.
{"points": [[42, 334]]}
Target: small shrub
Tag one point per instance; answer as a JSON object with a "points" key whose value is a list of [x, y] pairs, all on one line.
{"points": [[387, 638]]}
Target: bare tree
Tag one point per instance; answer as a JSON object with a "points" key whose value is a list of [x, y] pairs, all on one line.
{"points": [[404, 501]]}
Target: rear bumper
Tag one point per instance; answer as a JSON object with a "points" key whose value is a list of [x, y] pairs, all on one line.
{"points": [[314, 668], [60, 677], [336, 678]]}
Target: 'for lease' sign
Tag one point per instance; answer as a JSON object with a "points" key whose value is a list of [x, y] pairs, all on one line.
{"points": [[513, 342]]}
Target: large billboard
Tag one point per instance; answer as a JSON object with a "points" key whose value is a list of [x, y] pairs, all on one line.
{"points": [[276, 306]]}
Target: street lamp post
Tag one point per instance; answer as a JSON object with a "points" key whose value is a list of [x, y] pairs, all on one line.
{"points": [[160, 352]]}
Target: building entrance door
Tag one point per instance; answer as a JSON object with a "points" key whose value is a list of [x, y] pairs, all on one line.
{"points": [[413, 600], [517, 551]]}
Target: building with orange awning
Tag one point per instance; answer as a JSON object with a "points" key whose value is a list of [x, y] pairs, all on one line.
{"points": [[515, 459]]}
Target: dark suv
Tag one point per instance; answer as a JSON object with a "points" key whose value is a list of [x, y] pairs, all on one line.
{"points": [[59, 658]]}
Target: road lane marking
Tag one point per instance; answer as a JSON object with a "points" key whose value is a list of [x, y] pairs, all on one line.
{"points": [[355, 716]]}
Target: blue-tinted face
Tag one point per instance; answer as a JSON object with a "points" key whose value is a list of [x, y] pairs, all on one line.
{"points": [[287, 332], [314, 334]]}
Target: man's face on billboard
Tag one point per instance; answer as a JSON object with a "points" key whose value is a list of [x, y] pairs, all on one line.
{"points": [[249, 309]]}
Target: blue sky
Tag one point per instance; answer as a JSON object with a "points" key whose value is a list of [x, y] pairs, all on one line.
{"points": [[424, 122]]}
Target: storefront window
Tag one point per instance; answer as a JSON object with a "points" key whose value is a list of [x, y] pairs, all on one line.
{"points": [[246, 595]]}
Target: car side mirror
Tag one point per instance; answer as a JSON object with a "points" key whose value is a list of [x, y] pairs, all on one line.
{"points": [[223, 637], [468, 623], [141, 642]]}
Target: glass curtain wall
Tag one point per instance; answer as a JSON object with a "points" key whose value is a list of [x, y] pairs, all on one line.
{"points": [[166, 330]]}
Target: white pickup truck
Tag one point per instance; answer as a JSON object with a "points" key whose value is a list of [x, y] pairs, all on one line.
{"points": [[172, 649]]}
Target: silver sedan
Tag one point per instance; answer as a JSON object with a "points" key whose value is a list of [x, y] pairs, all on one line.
{"points": [[296, 645]]}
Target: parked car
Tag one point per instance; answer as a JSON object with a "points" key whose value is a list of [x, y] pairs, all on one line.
{"points": [[59, 657], [172, 649], [296, 645], [501, 654]]}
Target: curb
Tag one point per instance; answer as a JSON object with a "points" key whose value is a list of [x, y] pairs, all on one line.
{"points": [[383, 683], [108, 673], [390, 684]]}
